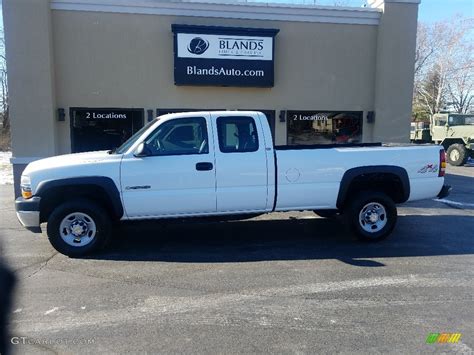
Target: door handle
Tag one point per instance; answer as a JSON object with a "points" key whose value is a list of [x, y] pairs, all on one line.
{"points": [[204, 166]]}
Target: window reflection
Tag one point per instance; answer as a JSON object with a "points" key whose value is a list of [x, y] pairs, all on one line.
{"points": [[323, 127]]}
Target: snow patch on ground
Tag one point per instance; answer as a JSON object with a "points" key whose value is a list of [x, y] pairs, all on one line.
{"points": [[6, 169]]}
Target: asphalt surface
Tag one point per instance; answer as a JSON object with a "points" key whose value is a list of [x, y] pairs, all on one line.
{"points": [[284, 283]]}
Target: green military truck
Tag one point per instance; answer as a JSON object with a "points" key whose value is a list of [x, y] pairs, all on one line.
{"points": [[420, 132], [455, 132]]}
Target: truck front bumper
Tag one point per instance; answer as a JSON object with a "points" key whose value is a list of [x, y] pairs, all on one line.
{"points": [[28, 213], [445, 191]]}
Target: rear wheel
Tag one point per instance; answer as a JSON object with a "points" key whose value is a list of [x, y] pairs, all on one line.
{"points": [[371, 215], [78, 228], [456, 154]]}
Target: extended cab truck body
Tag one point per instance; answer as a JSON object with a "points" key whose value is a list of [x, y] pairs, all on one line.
{"points": [[221, 164]]}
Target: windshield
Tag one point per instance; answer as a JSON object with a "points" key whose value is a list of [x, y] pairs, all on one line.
{"points": [[129, 142]]}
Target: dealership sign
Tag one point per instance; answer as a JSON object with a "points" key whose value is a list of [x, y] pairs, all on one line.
{"points": [[224, 56]]}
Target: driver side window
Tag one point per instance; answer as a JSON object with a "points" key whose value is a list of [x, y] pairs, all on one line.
{"points": [[180, 136], [440, 122]]}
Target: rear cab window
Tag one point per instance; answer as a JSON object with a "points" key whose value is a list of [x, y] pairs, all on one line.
{"points": [[237, 134]]}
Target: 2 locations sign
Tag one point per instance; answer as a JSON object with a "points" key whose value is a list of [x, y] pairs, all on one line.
{"points": [[224, 56]]}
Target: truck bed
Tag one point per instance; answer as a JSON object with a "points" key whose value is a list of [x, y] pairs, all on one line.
{"points": [[308, 174]]}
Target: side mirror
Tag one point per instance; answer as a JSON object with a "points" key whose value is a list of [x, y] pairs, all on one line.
{"points": [[142, 150]]}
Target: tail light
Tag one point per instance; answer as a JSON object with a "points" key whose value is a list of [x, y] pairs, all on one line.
{"points": [[442, 162]]}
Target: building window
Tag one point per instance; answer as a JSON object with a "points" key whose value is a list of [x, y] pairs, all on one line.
{"points": [[324, 127], [103, 128]]}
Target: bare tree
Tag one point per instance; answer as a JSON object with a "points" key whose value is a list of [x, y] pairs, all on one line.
{"points": [[425, 48], [461, 89], [443, 66], [3, 87], [431, 93]]}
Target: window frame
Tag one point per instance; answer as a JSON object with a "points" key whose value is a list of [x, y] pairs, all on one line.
{"points": [[220, 143], [175, 120]]}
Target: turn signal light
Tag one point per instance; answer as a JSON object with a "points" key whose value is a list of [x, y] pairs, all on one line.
{"points": [[26, 194], [442, 163]]}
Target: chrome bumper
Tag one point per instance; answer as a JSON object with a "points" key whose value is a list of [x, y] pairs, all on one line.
{"points": [[28, 213], [28, 218]]}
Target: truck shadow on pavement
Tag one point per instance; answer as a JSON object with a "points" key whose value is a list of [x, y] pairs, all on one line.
{"points": [[298, 239]]}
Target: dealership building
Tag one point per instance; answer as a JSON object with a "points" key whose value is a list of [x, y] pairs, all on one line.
{"points": [[86, 74]]}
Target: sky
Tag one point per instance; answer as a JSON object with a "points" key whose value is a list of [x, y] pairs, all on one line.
{"points": [[437, 10]]}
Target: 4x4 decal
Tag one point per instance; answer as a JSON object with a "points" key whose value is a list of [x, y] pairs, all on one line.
{"points": [[429, 168]]}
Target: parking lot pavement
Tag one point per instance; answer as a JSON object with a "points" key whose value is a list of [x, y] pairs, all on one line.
{"points": [[282, 283]]}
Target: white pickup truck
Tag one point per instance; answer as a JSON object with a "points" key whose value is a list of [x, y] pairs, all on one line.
{"points": [[221, 164]]}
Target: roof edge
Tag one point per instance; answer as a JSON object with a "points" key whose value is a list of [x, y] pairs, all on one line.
{"points": [[224, 9]]}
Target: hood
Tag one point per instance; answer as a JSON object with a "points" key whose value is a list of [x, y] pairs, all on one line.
{"points": [[69, 160]]}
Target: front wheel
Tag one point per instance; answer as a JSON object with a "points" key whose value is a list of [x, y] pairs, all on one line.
{"points": [[78, 227], [371, 215]]}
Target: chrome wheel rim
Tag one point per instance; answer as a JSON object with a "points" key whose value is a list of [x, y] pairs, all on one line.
{"points": [[454, 155], [77, 229], [373, 217]]}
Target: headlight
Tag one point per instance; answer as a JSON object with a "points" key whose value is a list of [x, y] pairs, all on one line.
{"points": [[25, 185], [25, 180]]}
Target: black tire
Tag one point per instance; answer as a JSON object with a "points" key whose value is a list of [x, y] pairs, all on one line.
{"points": [[326, 213], [456, 154], [355, 207], [99, 217]]}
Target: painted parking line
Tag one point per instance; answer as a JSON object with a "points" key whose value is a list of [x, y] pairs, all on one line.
{"points": [[455, 203]]}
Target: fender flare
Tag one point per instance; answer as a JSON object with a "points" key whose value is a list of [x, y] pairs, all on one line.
{"points": [[106, 183], [353, 173]]}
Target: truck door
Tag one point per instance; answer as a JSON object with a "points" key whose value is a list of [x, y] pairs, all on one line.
{"points": [[438, 128], [241, 163], [178, 176]]}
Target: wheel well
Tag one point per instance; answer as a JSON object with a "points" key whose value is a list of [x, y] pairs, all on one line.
{"points": [[55, 196], [388, 183], [447, 142]]}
